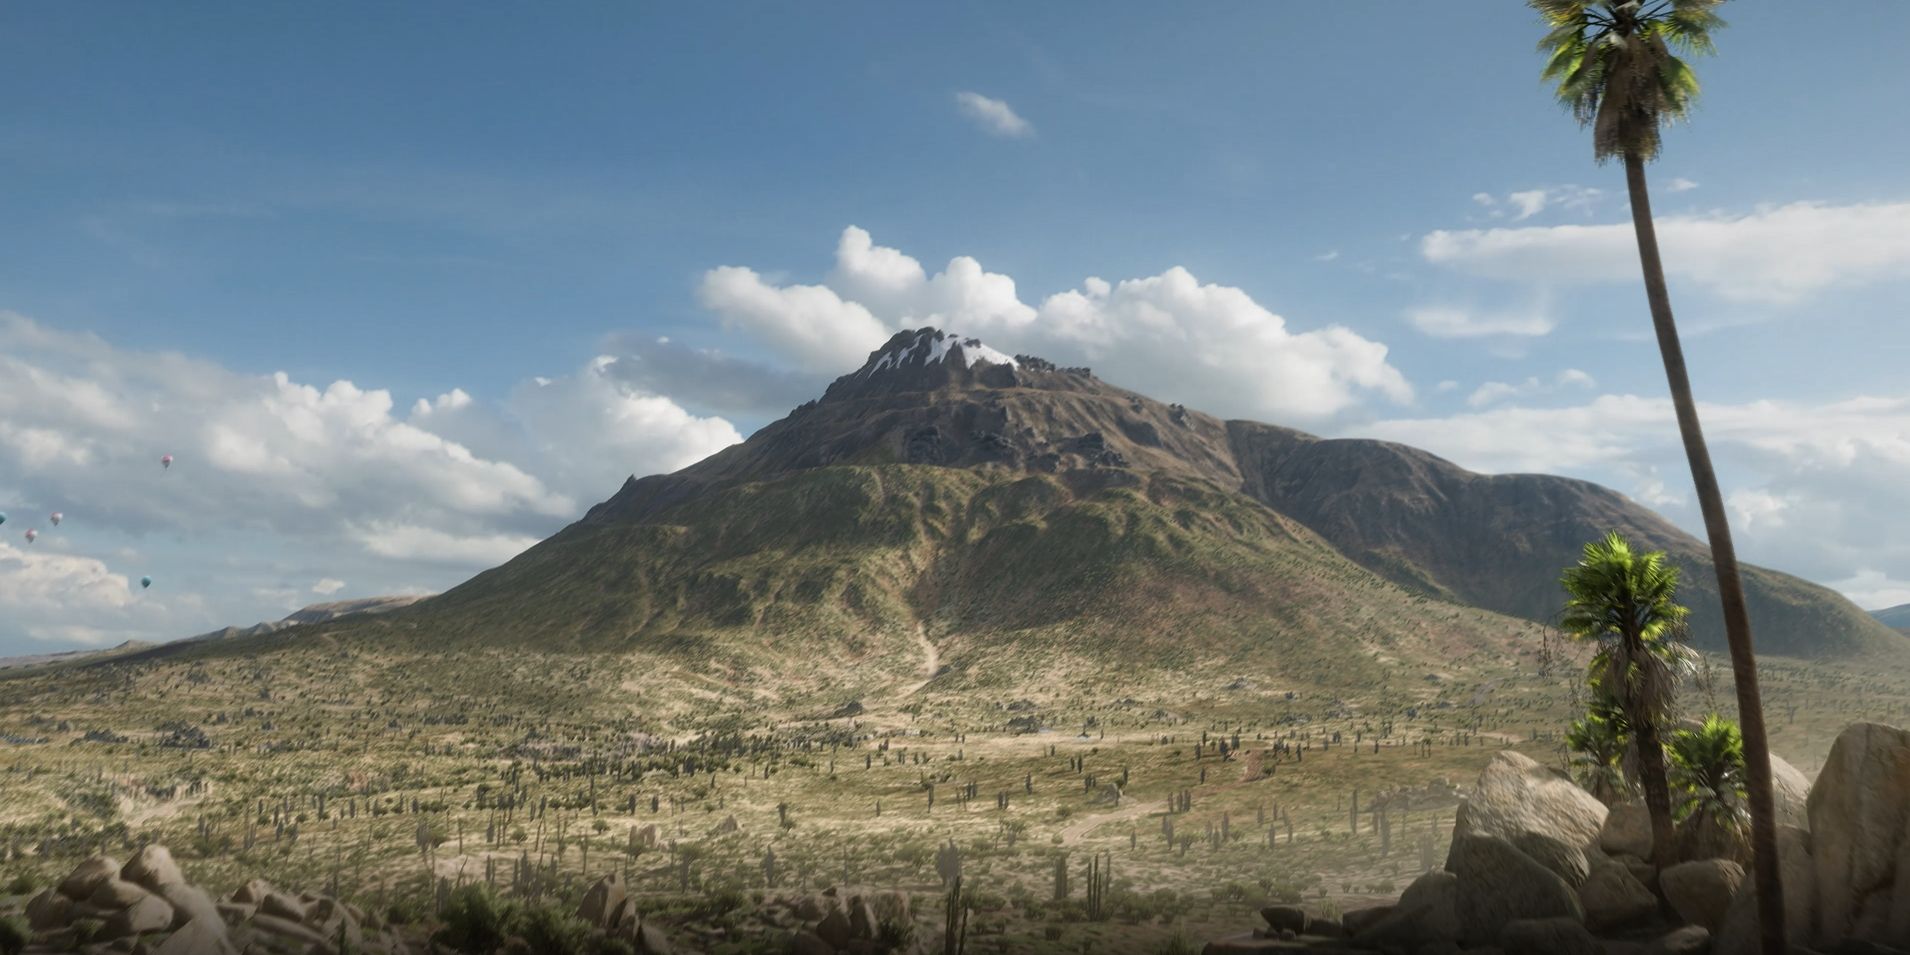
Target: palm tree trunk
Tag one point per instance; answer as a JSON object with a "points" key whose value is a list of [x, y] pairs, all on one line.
{"points": [[1737, 621], [1651, 773]]}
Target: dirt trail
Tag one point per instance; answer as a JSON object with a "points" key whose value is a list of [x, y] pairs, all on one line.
{"points": [[931, 661]]}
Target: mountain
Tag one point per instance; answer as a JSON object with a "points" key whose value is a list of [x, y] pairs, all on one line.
{"points": [[1897, 617], [1019, 517], [315, 613]]}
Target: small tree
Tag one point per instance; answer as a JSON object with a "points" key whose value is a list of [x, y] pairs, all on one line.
{"points": [[1598, 745], [1707, 769]]}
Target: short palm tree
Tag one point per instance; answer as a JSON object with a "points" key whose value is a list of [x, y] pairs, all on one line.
{"points": [[1707, 770], [1617, 72], [1599, 744], [1626, 603]]}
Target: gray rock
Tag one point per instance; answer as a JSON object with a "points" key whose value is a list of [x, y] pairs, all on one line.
{"points": [[1534, 808], [286, 928], [253, 892], [1555, 936], [282, 905], [115, 894], [149, 914], [602, 901], [198, 937], [1426, 912], [48, 910], [1701, 892], [625, 914], [1859, 820], [1686, 940], [1284, 916], [862, 922], [1357, 920], [652, 941], [188, 902], [152, 868], [1792, 791], [1799, 877], [809, 943], [834, 929], [1499, 884], [88, 875], [1614, 898], [1627, 830]]}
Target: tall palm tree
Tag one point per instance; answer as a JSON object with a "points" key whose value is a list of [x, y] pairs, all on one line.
{"points": [[1615, 69], [1626, 602]]}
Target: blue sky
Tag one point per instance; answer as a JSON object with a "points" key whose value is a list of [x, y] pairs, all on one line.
{"points": [[456, 202]]}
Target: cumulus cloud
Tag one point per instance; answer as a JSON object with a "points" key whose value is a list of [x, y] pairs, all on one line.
{"points": [[1814, 488], [1495, 391], [46, 594], [1527, 203], [992, 115], [1774, 255], [451, 481], [1170, 334], [328, 586], [709, 380], [1447, 322]]}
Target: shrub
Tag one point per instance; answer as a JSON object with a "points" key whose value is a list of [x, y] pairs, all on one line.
{"points": [[476, 920], [14, 934]]}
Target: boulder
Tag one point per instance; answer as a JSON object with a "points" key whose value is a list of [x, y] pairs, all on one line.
{"points": [[232, 913], [253, 892], [48, 910], [1613, 897], [1859, 816], [149, 914], [188, 902], [1536, 809], [1323, 927], [88, 875], [624, 915], [1499, 884], [809, 909], [288, 929], [834, 929], [198, 937], [809, 943], [1557, 936], [1791, 791], [1426, 912], [1627, 830], [652, 941], [1798, 874], [862, 922], [1701, 891], [115, 894], [152, 868], [1288, 917], [282, 905], [602, 901], [1684, 940], [1358, 920]]}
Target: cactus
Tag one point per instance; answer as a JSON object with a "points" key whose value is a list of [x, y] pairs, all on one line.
{"points": [[1061, 877], [1100, 879], [955, 920]]}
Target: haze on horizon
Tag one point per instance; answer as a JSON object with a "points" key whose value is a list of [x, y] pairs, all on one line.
{"points": [[406, 290]]}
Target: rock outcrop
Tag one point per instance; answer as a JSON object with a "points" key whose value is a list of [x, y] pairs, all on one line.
{"points": [[1536, 810]]}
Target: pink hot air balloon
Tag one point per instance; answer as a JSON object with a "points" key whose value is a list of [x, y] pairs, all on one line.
{"points": [[165, 460], [56, 518], [31, 535]]}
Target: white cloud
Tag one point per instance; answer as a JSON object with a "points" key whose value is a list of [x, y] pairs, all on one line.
{"points": [[1495, 391], [44, 593], [262, 459], [993, 115], [1447, 322], [1170, 334], [1814, 488], [1873, 590], [1776, 254], [1681, 184], [1529, 203], [809, 324], [328, 586]]}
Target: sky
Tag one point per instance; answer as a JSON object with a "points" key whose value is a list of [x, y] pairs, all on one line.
{"points": [[404, 288]]}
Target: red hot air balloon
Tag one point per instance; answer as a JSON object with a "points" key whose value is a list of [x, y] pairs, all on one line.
{"points": [[31, 535], [165, 460]]}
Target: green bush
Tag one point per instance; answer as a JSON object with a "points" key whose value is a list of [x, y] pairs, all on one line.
{"points": [[476, 920], [22, 884]]}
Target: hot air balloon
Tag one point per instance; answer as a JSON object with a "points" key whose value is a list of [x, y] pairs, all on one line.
{"points": [[145, 582], [57, 516], [31, 534], [165, 460]]}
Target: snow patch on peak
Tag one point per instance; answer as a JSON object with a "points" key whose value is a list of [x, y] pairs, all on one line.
{"points": [[939, 344]]}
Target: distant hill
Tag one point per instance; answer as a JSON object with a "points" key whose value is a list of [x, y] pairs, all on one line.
{"points": [[1897, 617], [1014, 511], [316, 613]]}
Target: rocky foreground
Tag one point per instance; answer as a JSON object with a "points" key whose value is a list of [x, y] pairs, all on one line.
{"points": [[1540, 867]]}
